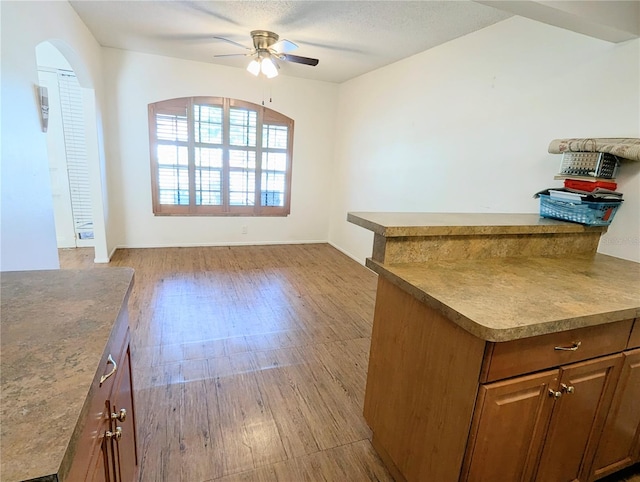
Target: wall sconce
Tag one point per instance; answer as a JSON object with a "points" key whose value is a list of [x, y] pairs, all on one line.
{"points": [[43, 100]]}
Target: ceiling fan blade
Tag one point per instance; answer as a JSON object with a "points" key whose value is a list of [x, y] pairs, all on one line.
{"points": [[283, 46], [232, 42], [299, 60], [233, 55]]}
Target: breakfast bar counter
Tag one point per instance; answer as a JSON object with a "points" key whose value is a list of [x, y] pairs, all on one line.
{"points": [[504, 347]]}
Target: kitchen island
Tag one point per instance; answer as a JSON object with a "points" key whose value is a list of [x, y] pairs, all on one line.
{"points": [[67, 397], [503, 348]]}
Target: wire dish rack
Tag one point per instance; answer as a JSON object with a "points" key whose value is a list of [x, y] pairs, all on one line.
{"points": [[586, 212]]}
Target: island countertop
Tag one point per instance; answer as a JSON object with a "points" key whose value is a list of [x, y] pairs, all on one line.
{"points": [[503, 277], [54, 329], [503, 299]]}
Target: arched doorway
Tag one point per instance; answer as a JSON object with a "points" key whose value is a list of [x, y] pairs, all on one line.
{"points": [[72, 145]]}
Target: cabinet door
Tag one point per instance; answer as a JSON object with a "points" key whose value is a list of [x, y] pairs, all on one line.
{"points": [[125, 446], [620, 439], [103, 468], [508, 428], [93, 460], [578, 416]]}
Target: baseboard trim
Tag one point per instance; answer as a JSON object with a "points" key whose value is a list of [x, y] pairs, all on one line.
{"points": [[106, 260], [205, 245], [345, 252], [222, 244]]}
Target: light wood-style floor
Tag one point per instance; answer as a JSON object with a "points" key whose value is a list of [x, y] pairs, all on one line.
{"points": [[250, 363]]}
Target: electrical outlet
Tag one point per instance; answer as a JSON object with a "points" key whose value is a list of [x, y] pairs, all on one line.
{"points": [[245, 229]]}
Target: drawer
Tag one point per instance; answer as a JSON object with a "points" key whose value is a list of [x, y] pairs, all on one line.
{"points": [[634, 339], [517, 357]]}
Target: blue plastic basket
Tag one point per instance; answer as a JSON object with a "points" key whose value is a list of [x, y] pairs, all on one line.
{"points": [[591, 213]]}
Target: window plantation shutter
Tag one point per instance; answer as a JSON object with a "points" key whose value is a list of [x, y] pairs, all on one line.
{"points": [[172, 140], [218, 156]]}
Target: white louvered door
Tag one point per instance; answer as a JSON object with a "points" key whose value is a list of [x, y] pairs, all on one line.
{"points": [[76, 155], [65, 231]]}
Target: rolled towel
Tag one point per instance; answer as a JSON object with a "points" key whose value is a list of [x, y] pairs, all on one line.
{"points": [[626, 147]]}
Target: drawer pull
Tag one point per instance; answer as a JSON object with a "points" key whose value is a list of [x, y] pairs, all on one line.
{"points": [[568, 388], [119, 416], [574, 346], [110, 360]]}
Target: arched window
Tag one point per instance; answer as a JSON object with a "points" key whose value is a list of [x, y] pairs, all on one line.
{"points": [[217, 156]]}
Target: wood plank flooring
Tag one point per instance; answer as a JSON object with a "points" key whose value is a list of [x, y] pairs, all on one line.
{"points": [[250, 363]]}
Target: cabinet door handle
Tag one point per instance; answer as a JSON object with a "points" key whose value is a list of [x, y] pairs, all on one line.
{"points": [[119, 416], [567, 388], [117, 434], [574, 346], [554, 394], [110, 360]]}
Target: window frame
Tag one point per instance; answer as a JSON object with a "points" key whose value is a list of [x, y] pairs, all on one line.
{"points": [[264, 116]]}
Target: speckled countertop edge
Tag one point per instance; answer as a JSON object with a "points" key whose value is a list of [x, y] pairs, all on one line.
{"points": [[55, 326], [503, 299], [391, 225]]}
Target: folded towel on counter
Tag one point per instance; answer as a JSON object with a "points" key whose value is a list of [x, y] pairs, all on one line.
{"points": [[626, 147]]}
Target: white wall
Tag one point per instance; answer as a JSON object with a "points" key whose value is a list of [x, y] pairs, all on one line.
{"points": [[27, 231], [465, 127], [133, 80]]}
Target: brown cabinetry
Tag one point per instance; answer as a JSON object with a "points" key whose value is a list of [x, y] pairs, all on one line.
{"points": [[542, 427], [101, 469], [115, 457], [578, 415], [619, 445], [634, 339], [509, 427], [123, 425], [107, 448], [444, 405]]}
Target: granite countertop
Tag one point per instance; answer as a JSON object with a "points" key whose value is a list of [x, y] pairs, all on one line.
{"points": [[502, 299], [390, 224], [503, 277], [54, 328]]}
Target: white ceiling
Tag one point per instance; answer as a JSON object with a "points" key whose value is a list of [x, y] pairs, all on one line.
{"points": [[349, 37]]}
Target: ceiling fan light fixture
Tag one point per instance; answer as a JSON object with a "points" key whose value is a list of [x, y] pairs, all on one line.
{"points": [[267, 48], [254, 67], [268, 68]]}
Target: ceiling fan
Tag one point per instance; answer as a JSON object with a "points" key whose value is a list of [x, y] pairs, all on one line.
{"points": [[267, 48]]}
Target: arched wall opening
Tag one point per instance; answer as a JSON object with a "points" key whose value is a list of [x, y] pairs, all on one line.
{"points": [[73, 148]]}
